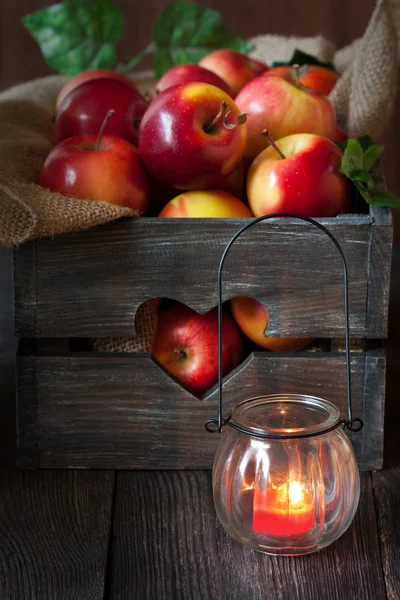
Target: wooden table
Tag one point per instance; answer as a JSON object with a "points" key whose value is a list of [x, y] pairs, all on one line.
{"points": [[95, 535]]}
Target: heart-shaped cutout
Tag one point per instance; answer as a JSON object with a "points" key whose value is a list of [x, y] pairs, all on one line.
{"points": [[186, 342], [186, 346]]}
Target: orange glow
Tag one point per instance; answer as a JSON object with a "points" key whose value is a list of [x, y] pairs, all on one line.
{"points": [[287, 510]]}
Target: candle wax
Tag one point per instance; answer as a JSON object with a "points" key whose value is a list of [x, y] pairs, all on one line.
{"points": [[283, 511]]}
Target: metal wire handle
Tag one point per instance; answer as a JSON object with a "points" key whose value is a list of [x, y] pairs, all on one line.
{"points": [[213, 425]]}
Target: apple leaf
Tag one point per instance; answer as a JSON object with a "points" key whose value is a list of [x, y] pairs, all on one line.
{"points": [[184, 33], [363, 176], [384, 198], [302, 58], [359, 156], [371, 156], [353, 158], [76, 35]]}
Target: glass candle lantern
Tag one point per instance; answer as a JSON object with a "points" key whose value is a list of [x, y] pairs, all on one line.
{"points": [[285, 478], [287, 494]]}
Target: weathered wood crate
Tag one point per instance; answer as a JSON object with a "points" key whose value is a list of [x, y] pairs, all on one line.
{"points": [[110, 410]]}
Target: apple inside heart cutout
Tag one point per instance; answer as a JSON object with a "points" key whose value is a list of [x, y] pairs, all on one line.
{"points": [[186, 345]]}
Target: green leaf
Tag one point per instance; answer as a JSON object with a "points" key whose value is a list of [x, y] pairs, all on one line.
{"points": [[384, 198], [365, 142], [302, 58], [363, 191], [363, 176], [359, 156], [353, 158], [371, 155], [184, 33], [76, 35]]}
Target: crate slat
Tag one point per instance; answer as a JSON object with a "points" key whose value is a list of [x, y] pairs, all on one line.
{"points": [[122, 411], [91, 283]]}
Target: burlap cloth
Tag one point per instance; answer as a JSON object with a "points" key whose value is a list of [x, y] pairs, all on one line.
{"points": [[363, 99]]}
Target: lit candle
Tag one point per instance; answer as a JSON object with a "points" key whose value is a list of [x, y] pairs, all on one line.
{"points": [[288, 510]]}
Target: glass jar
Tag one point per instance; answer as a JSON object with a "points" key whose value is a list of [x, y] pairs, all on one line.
{"points": [[287, 495]]}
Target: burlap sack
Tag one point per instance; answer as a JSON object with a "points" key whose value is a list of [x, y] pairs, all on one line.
{"points": [[145, 325], [363, 99]]}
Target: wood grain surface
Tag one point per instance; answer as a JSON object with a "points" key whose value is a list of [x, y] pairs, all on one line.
{"points": [[54, 529], [386, 483], [97, 279], [168, 555], [165, 536], [122, 411]]}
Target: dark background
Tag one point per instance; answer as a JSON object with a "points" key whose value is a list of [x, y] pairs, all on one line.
{"points": [[339, 20]]}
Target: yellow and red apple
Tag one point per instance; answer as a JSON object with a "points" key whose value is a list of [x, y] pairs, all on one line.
{"points": [[304, 179], [252, 318], [282, 107], [186, 344], [192, 136], [235, 68], [205, 204], [318, 78]]}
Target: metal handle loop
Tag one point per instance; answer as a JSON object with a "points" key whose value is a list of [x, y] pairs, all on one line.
{"points": [[352, 425]]}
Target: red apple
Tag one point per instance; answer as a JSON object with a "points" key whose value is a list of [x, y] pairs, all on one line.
{"points": [[234, 183], [186, 344], [188, 137], [87, 76], [205, 203], [235, 68], [283, 107], [318, 78], [181, 74], [252, 318], [306, 180], [113, 172], [83, 110]]}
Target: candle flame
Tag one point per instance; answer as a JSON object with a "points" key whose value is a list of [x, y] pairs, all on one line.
{"points": [[296, 492]]}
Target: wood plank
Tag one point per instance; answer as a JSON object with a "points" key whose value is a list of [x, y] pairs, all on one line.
{"points": [[167, 543], [286, 264], [28, 424], [387, 482], [387, 500], [24, 272], [123, 411], [379, 267], [54, 529], [374, 408], [8, 346]]}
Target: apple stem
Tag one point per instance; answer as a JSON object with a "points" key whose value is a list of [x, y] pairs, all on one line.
{"points": [[273, 144], [239, 121], [103, 125], [296, 68], [217, 118], [180, 354]]}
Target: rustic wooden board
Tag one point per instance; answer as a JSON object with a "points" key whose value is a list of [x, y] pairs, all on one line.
{"points": [[387, 500], [54, 529], [386, 483], [167, 538], [122, 411], [380, 258], [91, 283]]}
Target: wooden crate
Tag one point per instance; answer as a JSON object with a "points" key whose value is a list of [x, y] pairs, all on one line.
{"points": [[84, 409]]}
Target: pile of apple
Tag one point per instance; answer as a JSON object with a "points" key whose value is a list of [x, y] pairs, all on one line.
{"points": [[226, 138]]}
